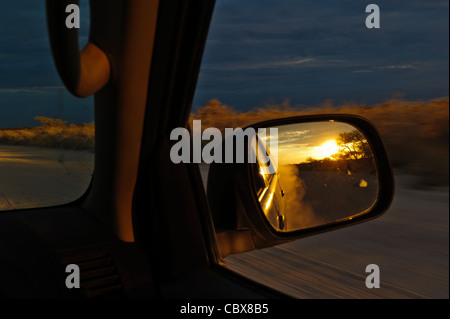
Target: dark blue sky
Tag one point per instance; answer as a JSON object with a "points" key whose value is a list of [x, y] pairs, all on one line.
{"points": [[29, 84], [258, 51], [311, 51]]}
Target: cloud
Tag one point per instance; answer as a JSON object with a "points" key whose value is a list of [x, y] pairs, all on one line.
{"points": [[311, 51], [34, 90], [231, 66], [398, 67], [17, 90], [387, 68]]}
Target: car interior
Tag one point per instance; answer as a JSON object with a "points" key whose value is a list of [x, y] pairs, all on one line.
{"points": [[146, 228]]}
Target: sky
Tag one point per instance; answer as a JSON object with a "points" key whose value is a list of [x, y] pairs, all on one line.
{"points": [[261, 52], [258, 52], [298, 142], [29, 83]]}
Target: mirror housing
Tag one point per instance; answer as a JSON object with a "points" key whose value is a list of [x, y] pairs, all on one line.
{"points": [[239, 219]]}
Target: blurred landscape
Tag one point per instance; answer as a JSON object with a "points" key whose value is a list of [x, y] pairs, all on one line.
{"points": [[52, 164], [33, 177], [415, 133], [52, 133], [409, 242], [47, 165]]}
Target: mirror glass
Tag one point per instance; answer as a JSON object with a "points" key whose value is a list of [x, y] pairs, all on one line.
{"points": [[312, 174]]}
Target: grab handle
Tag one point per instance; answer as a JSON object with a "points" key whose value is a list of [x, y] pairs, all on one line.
{"points": [[83, 73]]}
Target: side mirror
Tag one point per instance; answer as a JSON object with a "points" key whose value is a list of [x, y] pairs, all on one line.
{"points": [[310, 174]]}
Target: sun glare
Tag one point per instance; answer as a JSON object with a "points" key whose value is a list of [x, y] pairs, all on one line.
{"points": [[326, 149]]}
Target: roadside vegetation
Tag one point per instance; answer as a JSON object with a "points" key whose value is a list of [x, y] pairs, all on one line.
{"points": [[53, 133], [416, 133]]}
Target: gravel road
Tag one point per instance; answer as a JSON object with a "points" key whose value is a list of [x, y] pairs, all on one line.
{"points": [[36, 177], [409, 243]]}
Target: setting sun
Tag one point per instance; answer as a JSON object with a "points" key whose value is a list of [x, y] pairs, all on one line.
{"points": [[326, 149]]}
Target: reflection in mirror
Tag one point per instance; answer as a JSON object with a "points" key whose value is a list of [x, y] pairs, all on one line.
{"points": [[325, 173]]}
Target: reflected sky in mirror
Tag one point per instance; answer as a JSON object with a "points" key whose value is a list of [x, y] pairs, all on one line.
{"points": [[316, 140]]}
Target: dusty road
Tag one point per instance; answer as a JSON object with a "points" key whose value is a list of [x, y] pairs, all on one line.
{"points": [[36, 177], [410, 242]]}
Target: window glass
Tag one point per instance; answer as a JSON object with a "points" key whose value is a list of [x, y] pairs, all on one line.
{"points": [[273, 59], [46, 134]]}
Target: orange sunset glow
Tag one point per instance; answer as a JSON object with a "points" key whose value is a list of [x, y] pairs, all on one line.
{"points": [[326, 149]]}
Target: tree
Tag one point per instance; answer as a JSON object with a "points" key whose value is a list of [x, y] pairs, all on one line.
{"points": [[47, 121], [353, 145]]}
